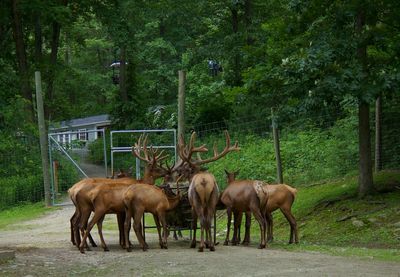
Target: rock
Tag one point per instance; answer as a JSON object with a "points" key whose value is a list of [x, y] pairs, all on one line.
{"points": [[357, 223], [372, 220]]}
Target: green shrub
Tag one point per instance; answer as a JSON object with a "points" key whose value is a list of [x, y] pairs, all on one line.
{"points": [[16, 189]]}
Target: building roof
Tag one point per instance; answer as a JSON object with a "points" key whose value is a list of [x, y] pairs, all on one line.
{"points": [[90, 120]]}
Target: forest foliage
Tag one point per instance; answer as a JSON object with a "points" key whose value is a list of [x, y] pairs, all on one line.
{"points": [[314, 61]]}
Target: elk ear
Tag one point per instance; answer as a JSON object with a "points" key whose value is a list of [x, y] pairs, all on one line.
{"points": [[226, 171], [236, 173]]}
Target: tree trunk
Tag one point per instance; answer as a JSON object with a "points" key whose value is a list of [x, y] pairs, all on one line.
{"points": [[55, 43], [236, 57], [38, 41], [378, 134], [122, 76], [365, 180], [20, 51], [247, 21]]}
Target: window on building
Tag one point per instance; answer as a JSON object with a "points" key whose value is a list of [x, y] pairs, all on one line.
{"points": [[82, 134]]}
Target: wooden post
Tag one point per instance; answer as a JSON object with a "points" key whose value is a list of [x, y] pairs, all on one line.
{"points": [[181, 102], [275, 133], [55, 177], [43, 139], [378, 134]]}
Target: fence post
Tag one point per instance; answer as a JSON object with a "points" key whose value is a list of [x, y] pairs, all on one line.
{"points": [[55, 177], [275, 133], [181, 103], [43, 138]]}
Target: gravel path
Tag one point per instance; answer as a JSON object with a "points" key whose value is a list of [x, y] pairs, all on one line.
{"points": [[43, 249]]}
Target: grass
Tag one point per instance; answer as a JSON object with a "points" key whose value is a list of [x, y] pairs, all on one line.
{"points": [[21, 213], [326, 213]]}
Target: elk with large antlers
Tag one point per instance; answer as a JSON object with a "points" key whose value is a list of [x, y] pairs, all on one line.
{"points": [[203, 189], [105, 195]]}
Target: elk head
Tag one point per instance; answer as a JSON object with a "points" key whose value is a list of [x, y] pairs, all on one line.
{"points": [[152, 158], [190, 166]]}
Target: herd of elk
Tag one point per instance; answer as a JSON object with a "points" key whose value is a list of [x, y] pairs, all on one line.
{"points": [[129, 198]]}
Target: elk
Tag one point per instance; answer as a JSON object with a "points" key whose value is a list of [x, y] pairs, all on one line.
{"points": [[203, 189], [142, 198], [105, 195], [245, 196], [280, 196]]}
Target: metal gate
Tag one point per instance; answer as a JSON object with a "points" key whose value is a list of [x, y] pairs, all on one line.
{"points": [[121, 141], [69, 160]]}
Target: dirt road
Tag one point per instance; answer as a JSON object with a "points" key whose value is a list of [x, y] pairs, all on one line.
{"points": [[43, 249]]}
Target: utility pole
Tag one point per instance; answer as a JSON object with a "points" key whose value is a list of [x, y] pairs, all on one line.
{"points": [[43, 138]]}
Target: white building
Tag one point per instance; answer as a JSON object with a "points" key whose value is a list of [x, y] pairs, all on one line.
{"points": [[81, 129]]}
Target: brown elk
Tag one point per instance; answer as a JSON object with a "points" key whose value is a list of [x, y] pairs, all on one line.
{"points": [[245, 196], [142, 198], [280, 196], [203, 189], [105, 195]]}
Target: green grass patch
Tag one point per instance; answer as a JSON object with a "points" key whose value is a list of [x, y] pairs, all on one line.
{"points": [[332, 219], [22, 213]]}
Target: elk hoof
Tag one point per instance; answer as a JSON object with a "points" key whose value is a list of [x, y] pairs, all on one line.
{"points": [[106, 249], [193, 245], [245, 243], [212, 248], [261, 246], [82, 250], [201, 249], [144, 249], [226, 242], [129, 249]]}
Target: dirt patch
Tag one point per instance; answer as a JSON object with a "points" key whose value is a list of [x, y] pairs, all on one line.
{"points": [[43, 249]]}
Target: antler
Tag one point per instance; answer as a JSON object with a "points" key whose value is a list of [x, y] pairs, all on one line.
{"points": [[151, 158], [186, 152], [217, 155]]}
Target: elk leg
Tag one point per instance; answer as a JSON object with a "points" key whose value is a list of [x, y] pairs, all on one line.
{"points": [[210, 216], [261, 221], [121, 226], [100, 230], [97, 216], [157, 222], [293, 226], [72, 223], [194, 227], [246, 239], [228, 224], [236, 228], [81, 225], [164, 243], [270, 226], [137, 226], [127, 227]]}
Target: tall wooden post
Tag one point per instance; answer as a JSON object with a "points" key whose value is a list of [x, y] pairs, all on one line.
{"points": [[43, 139], [181, 102], [275, 134], [378, 134]]}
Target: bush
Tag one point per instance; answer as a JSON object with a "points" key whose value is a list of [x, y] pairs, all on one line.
{"points": [[16, 189]]}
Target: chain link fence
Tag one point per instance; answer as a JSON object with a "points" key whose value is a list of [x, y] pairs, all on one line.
{"points": [[313, 150]]}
